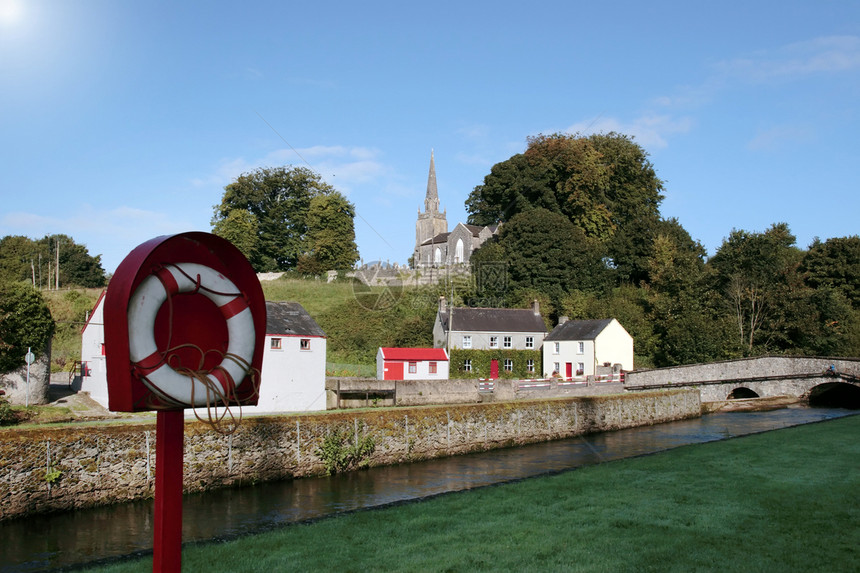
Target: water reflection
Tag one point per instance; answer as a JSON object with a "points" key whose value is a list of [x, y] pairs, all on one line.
{"points": [[45, 542]]}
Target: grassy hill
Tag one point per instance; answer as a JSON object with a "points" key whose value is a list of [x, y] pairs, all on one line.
{"points": [[356, 319]]}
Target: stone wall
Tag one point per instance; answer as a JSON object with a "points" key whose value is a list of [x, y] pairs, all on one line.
{"points": [[14, 383], [54, 469], [734, 370], [368, 392]]}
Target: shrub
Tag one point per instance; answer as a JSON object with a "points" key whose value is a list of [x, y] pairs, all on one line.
{"points": [[25, 322]]}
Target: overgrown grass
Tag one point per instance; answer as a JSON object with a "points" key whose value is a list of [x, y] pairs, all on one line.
{"points": [[779, 501]]}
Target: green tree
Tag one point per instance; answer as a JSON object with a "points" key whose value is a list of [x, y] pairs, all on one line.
{"points": [[331, 235], [25, 321], [545, 251], [279, 200], [835, 263], [23, 259], [241, 228], [752, 272]]}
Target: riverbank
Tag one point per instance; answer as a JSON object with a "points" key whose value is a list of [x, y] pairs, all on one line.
{"points": [[48, 469], [777, 501]]}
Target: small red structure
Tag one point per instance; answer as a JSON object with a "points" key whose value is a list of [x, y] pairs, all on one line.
{"points": [[411, 364]]}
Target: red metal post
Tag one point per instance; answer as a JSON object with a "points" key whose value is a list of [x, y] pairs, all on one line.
{"points": [[167, 545]]}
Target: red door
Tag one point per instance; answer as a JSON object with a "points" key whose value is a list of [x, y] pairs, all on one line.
{"points": [[569, 368], [393, 371], [494, 369]]}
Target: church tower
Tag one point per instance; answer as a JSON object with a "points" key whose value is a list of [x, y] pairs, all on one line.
{"points": [[431, 222]]}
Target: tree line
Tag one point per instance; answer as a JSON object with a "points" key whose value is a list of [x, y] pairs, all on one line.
{"points": [[582, 232]]}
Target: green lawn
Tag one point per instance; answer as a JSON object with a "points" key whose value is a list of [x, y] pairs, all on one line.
{"points": [[779, 501]]}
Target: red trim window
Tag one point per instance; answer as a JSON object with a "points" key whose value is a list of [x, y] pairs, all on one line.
{"points": [[413, 367], [275, 344], [432, 368], [305, 344]]}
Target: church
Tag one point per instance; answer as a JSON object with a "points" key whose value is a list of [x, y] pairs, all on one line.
{"points": [[434, 245]]}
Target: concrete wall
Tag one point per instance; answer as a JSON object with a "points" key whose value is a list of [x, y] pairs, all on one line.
{"points": [[98, 465]]}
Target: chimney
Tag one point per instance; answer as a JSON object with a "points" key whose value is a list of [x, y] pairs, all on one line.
{"points": [[562, 320], [443, 304], [536, 307]]}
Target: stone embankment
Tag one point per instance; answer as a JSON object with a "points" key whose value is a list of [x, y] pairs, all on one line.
{"points": [[52, 469]]}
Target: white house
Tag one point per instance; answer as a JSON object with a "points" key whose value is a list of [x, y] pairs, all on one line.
{"points": [[577, 348], [411, 364], [93, 369], [294, 356], [293, 376], [488, 328]]}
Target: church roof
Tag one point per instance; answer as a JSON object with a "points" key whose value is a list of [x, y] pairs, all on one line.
{"points": [[437, 240], [290, 318], [492, 320]]}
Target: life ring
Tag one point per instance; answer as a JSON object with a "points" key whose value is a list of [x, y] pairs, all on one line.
{"points": [[169, 385]]}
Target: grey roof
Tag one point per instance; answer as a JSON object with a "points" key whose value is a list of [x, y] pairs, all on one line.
{"points": [[290, 318], [579, 329], [493, 320], [439, 239]]}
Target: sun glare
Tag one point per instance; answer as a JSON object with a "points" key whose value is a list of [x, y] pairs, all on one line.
{"points": [[10, 12]]}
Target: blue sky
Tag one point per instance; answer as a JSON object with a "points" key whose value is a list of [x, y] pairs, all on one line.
{"points": [[121, 121]]}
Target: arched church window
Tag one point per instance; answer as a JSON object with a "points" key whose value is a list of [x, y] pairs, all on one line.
{"points": [[437, 256], [458, 255]]}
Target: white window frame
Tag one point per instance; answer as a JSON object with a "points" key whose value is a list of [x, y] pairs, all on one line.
{"points": [[530, 341], [509, 365], [530, 365], [580, 347], [557, 368], [507, 342], [467, 364], [556, 349], [580, 368], [494, 342], [467, 341]]}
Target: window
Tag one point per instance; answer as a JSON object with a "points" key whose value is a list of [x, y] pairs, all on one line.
{"points": [[467, 365], [458, 251], [509, 365], [432, 368], [556, 349], [305, 344], [494, 342], [530, 341], [467, 341], [103, 348], [530, 365], [580, 347], [413, 367], [580, 368], [276, 344], [506, 342], [556, 368]]}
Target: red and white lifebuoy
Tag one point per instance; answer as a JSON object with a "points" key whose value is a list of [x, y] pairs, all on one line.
{"points": [[168, 384]]}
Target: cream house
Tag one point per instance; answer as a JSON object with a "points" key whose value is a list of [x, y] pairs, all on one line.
{"points": [[579, 348]]}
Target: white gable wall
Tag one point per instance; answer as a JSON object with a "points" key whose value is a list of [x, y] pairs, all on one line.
{"points": [[92, 353], [568, 352], [293, 379], [614, 345]]}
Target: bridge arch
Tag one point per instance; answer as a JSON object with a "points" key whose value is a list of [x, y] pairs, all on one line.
{"points": [[742, 392], [835, 395]]}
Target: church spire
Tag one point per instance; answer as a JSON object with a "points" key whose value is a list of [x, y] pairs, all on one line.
{"points": [[431, 201]]}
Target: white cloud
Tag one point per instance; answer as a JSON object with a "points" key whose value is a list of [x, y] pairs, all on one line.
{"points": [[650, 131], [779, 136], [829, 54]]}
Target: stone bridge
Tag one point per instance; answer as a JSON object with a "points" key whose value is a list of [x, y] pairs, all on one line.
{"points": [[825, 381]]}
